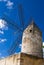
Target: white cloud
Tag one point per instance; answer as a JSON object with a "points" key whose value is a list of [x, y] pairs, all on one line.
{"points": [[3, 0], [43, 52], [0, 54], [43, 43], [9, 4], [1, 32], [43, 49], [15, 53], [2, 57], [3, 40], [20, 45], [0, 0], [3, 25]]}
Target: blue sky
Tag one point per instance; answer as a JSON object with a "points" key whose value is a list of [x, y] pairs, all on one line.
{"points": [[8, 34]]}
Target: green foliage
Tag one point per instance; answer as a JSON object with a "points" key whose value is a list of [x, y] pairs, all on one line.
{"points": [[42, 46]]}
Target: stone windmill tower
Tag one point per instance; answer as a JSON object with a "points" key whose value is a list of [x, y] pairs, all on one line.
{"points": [[32, 41], [31, 51]]}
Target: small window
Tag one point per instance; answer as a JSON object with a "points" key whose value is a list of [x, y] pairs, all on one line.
{"points": [[30, 31]]}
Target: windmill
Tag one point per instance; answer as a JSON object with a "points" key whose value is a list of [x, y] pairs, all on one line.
{"points": [[14, 26]]}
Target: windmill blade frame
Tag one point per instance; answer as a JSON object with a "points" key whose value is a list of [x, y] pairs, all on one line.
{"points": [[11, 24], [21, 16], [14, 45]]}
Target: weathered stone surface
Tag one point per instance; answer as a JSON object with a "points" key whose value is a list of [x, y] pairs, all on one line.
{"points": [[11, 60], [22, 59], [32, 41]]}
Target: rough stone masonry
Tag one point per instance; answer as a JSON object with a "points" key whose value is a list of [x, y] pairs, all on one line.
{"points": [[32, 41]]}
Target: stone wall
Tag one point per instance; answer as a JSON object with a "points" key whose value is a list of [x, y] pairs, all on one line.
{"points": [[11, 60], [22, 59], [31, 60], [32, 41]]}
